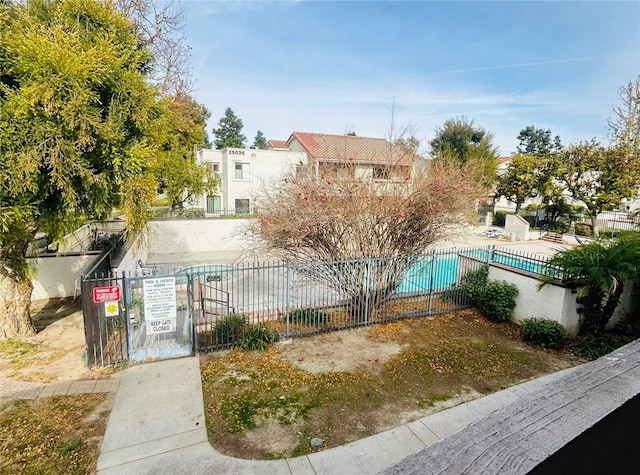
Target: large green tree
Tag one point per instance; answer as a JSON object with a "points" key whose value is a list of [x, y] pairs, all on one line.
{"points": [[229, 131], [75, 110], [260, 141], [521, 180], [532, 170], [180, 128], [461, 141], [598, 176], [538, 142]]}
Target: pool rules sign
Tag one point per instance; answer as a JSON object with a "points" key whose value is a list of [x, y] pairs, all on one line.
{"points": [[160, 305]]}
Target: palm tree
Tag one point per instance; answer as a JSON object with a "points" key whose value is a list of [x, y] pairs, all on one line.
{"points": [[601, 268]]}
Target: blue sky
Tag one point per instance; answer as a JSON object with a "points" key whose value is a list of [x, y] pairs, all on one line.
{"points": [[332, 67]]}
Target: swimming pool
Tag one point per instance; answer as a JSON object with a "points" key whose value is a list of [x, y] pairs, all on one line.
{"points": [[440, 271]]}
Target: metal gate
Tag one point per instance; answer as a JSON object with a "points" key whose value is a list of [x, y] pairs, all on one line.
{"points": [[159, 317], [137, 319]]}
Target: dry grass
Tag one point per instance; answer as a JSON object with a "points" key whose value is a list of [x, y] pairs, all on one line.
{"points": [[57, 435], [264, 405]]}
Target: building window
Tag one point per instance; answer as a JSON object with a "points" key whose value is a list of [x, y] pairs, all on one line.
{"points": [[381, 173], [337, 171], [212, 167], [213, 204], [242, 206], [241, 171]]}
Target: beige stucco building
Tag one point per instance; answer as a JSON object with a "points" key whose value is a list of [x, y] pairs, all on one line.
{"points": [[245, 172]]}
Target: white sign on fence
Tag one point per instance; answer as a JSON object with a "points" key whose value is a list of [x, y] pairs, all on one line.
{"points": [[160, 304], [166, 325]]}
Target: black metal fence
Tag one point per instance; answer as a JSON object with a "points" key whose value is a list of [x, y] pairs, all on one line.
{"points": [[289, 299], [105, 326], [292, 299]]}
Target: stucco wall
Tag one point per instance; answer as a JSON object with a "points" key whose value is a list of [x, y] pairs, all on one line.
{"points": [[261, 168], [128, 262], [198, 235], [516, 226], [56, 275], [553, 301]]}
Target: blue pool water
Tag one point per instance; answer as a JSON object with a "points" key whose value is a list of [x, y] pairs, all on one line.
{"points": [[443, 272]]}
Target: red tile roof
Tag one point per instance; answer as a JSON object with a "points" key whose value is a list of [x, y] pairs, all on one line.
{"points": [[276, 144], [343, 148]]}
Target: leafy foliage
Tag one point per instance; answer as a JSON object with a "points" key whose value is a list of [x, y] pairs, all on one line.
{"points": [[462, 142], [229, 131], [538, 142], [75, 123], [499, 218], [470, 286], [180, 127], [309, 316], [593, 347], [257, 337], [526, 177], [260, 141], [583, 229], [497, 300], [544, 332], [599, 177], [231, 329], [601, 268]]}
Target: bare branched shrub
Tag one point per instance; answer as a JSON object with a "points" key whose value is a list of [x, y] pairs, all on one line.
{"points": [[359, 233]]}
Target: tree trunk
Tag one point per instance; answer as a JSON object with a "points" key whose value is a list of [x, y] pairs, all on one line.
{"points": [[518, 205], [594, 226], [15, 307]]}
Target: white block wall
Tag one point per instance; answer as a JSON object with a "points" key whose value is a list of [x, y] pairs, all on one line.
{"points": [[56, 275], [553, 301], [198, 235]]}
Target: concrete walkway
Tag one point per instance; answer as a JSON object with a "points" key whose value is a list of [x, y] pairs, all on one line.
{"points": [[14, 389], [157, 426]]}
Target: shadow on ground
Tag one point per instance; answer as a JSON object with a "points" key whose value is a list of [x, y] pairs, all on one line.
{"points": [[47, 312]]}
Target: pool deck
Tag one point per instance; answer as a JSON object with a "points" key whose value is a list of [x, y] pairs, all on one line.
{"points": [[476, 238]]}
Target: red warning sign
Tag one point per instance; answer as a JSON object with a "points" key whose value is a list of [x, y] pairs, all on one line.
{"points": [[106, 294]]}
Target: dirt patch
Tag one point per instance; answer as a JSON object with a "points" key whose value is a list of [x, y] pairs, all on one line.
{"points": [[346, 385], [55, 352], [346, 350]]}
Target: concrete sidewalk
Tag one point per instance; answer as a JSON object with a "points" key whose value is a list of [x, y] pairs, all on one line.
{"points": [[157, 426], [14, 389]]}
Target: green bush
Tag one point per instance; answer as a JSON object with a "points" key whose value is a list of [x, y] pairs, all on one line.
{"points": [[583, 229], [497, 300], [499, 218], [258, 337], [593, 347], [308, 316], [543, 332], [610, 233], [470, 285], [560, 226], [191, 213], [230, 329]]}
